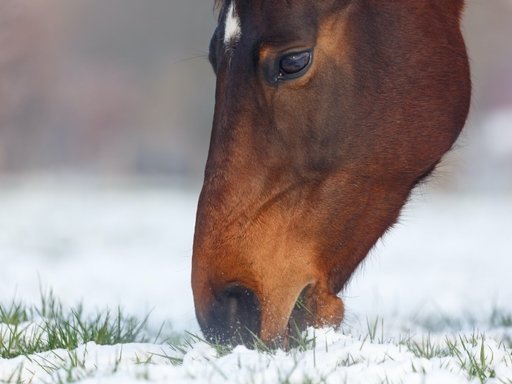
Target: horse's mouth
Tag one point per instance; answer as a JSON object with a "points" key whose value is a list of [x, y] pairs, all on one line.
{"points": [[314, 308]]}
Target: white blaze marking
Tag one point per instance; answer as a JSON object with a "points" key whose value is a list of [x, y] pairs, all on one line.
{"points": [[233, 28]]}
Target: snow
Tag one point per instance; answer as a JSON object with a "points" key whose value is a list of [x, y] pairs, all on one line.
{"points": [[130, 246], [336, 359]]}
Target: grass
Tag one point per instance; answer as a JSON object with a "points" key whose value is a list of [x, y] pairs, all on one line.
{"points": [[426, 348], [500, 319], [473, 357], [49, 335], [26, 330]]}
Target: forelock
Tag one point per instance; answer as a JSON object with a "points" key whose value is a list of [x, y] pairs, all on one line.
{"points": [[218, 4]]}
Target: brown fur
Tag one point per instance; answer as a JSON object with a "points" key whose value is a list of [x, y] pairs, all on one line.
{"points": [[304, 177]]}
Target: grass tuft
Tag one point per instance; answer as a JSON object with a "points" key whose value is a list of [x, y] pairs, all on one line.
{"points": [[25, 330], [426, 349], [470, 351]]}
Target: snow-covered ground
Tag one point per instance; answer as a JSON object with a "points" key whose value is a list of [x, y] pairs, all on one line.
{"points": [[130, 246]]}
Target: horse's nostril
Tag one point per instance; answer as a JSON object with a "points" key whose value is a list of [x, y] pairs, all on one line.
{"points": [[235, 317]]}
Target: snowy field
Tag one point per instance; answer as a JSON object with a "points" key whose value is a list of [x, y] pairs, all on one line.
{"points": [[433, 282]]}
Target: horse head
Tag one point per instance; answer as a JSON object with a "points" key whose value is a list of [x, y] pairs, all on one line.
{"points": [[327, 114]]}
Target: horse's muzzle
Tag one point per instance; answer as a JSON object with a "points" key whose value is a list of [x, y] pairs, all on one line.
{"points": [[237, 315]]}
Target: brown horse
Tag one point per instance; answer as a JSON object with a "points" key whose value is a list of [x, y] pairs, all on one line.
{"points": [[327, 114]]}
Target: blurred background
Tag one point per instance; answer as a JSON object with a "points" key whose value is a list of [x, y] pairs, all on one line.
{"points": [[105, 118], [122, 88], [105, 88]]}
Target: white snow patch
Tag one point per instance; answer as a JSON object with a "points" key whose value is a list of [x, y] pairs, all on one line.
{"points": [[335, 359]]}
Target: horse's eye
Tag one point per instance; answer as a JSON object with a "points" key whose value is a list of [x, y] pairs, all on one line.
{"points": [[294, 65]]}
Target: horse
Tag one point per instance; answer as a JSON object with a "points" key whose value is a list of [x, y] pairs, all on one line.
{"points": [[327, 114]]}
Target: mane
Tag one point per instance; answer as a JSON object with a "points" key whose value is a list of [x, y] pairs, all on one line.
{"points": [[219, 7]]}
